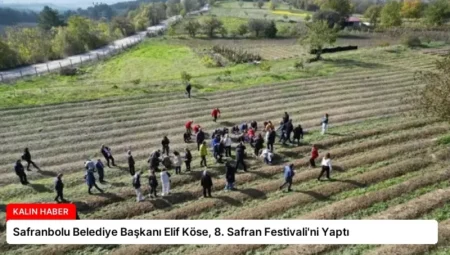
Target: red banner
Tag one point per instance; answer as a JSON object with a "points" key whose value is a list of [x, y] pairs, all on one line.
{"points": [[41, 212]]}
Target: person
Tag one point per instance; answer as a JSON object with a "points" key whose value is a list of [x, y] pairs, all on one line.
{"points": [[243, 128], [217, 149], [27, 157], [165, 181], [230, 176], [326, 166], [200, 138], [154, 160], [285, 117], [298, 134], [289, 129], [267, 155], [271, 135], [20, 171], [196, 128], [137, 186], [324, 123], [240, 153], [215, 114], [314, 155], [89, 165], [187, 159], [269, 126], [177, 162], [288, 175], [59, 186], [258, 144], [167, 162], [206, 183], [188, 89], [235, 130], [188, 126], [282, 129], [187, 137], [250, 134], [165, 145], [131, 163], [226, 141], [106, 152], [254, 125], [100, 170], [153, 183], [203, 153], [90, 180]]}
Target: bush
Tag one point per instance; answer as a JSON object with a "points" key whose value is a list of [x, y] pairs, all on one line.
{"points": [[208, 61], [308, 17], [383, 44], [299, 64], [242, 29], [185, 77], [237, 56], [270, 29], [68, 71], [411, 41], [8, 57], [265, 66]]}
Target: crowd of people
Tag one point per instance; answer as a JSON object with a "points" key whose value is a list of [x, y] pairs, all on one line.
{"points": [[221, 144]]}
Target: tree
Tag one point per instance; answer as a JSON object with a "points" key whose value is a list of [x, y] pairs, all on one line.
{"points": [[319, 35], [242, 29], [211, 25], [33, 45], [192, 27], [256, 26], [437, 11], [189, 5], [390, 14], [270, 29], [373, 14], [433, 99], [343, 7], [173, 7], [124, 25], [8, 57], [260, 4], [412, 9], [333, 18], [49, 18], [273, 5]]}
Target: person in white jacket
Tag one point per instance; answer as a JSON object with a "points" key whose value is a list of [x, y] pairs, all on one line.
{"points": [[326, 166], [165, 181], [267, 155], [177, 162], [226, 141]]}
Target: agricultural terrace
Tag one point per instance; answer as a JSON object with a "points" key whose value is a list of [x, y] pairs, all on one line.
{"points": [[386, 163]]}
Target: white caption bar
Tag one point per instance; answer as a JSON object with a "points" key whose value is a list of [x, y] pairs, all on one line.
{"points": [[222, 232]]}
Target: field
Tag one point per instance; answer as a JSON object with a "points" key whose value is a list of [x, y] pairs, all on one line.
{"points": [[385, 161]]}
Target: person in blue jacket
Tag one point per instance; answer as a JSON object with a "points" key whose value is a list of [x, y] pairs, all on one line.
{"points": [[90, 180], [288, 176]]}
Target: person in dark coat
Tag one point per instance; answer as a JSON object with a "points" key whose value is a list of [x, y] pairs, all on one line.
{"points": [[90, 180], [230, 176], [240, 153], [258, 144], [288, 176], [217, 149], [27, 157], [59, 186], [154, 160], [200, 138], [188, 89], [289, 127], [20, 171], [187, 159], [131, 163], [285, 117], [153, 183], [282, 129], [106, 152], [100, 170], [254, 125], [206, 183], [271, 139], [298, 134], [165, 145]]}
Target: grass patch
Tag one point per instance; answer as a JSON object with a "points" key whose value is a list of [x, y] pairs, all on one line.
{"points": [[443, 140]]}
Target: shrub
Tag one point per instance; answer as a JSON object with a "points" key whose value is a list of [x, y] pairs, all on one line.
{"points": [[411, 41], [308, 17], [185, 77], [208, 61], [242, 29], [299, 64], [270, 29], [383, 44], [265, 66], [237, 56], [68, 71], [192, 27]]}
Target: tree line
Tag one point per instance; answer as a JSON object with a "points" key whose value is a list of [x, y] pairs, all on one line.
{"points": [[12, 17], [55, 37]]}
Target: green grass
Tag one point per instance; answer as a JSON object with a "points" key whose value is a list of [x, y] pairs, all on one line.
{"points": [[444, 140]]}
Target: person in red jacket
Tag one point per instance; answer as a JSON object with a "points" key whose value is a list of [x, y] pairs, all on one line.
{"points": [[314, 155], [215, 113], [196, 128], [188, 126]]}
